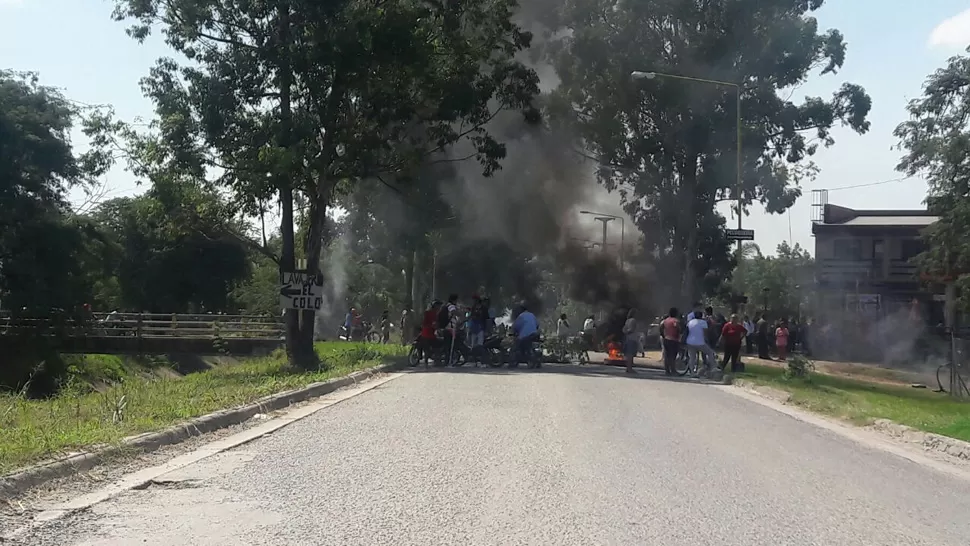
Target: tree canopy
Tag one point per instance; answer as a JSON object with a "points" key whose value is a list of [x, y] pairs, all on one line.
{"points": [[936, 142], [668, 144], [778, 285], [301, 98], [42, 247]]}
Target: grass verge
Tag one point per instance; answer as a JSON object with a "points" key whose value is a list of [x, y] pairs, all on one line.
{"points": [[862, 402], [31, 430]]}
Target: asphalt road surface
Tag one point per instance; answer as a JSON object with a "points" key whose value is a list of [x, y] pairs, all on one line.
{"points": [[555, 457]]}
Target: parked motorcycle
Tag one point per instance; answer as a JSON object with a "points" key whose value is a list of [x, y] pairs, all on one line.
{"points": [[492, 353]]}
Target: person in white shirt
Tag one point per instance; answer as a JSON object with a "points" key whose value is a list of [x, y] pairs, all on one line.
{"points": [[562, 327], [589, 325], [697, 344], [749, 328], [562, 335], [693, 314]]}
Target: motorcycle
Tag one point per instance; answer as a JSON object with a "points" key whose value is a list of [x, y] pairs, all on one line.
{"points": [[492, 353], [364, 332], [532, 354], [442, 351]]}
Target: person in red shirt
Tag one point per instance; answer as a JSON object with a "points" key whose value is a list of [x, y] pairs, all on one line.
{"points": [[670, 329], [429, 326], [733, 335], [429, 323]]}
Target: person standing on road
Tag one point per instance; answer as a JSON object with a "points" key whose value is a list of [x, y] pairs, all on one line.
{"points": [[385, 326], [763, 327], [407, 325], [631, 344], [476, 322], [670, 330], [749, 329], [732, 333], [781, 339], [589, 326], [697, 346]]}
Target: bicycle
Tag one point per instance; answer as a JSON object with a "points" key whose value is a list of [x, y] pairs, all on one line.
{"points": [[945, 371]]}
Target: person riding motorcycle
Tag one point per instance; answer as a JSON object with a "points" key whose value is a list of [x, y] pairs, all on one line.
{"points": [[525, 328]]}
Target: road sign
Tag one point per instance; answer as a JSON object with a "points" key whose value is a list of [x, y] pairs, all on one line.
{"points": [[739, 234], [301, 291]]}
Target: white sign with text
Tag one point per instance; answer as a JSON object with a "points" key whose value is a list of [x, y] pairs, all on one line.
{"points": [[301, 291]]}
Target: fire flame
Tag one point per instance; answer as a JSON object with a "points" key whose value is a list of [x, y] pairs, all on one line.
{"points": [[613, 350]]}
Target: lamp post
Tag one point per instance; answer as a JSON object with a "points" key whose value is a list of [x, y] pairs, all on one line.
{"points": [[605, 218], [637, 74]]}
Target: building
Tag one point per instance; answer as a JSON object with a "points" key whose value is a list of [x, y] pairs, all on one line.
{"points": [[863, 260]]}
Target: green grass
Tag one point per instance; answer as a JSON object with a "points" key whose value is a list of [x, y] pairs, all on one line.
{"points": [[31, 430], [862, 402]]}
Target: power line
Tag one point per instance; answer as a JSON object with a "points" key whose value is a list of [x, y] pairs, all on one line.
{"points": [[900, 179]]}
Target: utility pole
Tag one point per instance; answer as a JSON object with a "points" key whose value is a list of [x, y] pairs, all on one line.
{"points": [[606, 218], [605, 221]]}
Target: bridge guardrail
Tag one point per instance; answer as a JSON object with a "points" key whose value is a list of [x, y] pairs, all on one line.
{"points": [[146, 325]]}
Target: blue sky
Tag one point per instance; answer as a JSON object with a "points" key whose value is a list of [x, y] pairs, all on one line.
{"points": [[892, 46]]}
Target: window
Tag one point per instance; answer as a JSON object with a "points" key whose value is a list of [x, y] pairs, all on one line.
{"points": [[909, 248], [878, 250], [848, 249]]}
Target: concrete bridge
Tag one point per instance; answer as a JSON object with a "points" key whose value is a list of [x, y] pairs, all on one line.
{"points": [[145, 333]]}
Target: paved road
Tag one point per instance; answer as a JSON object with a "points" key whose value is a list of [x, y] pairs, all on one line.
{"points": [[548, 458]]}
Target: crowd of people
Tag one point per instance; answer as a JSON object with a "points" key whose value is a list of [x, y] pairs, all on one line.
{"points": [[693, 337], [455, 326], [696, 335]]}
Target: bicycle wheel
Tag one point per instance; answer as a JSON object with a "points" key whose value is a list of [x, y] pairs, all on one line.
{"points": [[681, 365], [943, 373]]}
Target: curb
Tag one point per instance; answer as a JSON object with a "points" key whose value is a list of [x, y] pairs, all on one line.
{"points": [[13, 485], [928, 440], [772, 393]]}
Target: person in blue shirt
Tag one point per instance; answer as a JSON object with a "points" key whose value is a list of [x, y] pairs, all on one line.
{"points": [[526, 331]]}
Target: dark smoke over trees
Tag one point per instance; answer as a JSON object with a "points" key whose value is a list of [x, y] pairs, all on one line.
{"points": [[664, 149], [668, 145]]}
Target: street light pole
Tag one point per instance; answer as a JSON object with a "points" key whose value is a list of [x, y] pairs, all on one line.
{"points": [[603, 217], [605, 221], [637, 74]]}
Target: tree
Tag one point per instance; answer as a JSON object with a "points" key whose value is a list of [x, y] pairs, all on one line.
{"points": [[172, 229], [936, 140], [779, 284], [41, 247], [668, 145], [44, 250], [292, 99]]}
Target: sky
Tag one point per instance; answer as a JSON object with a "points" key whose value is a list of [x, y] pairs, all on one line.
{"points": [[892, 46]]}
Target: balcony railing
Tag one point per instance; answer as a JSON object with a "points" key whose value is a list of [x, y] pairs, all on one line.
{"points": [[866, 270]]}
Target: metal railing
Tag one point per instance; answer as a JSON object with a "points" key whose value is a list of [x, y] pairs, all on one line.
{"points": [[866, 270], [146, 325]]}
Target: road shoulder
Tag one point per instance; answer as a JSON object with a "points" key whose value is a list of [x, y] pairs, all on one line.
{"points": [[872, 438]]}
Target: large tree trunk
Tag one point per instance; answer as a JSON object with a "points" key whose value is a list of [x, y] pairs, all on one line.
{"points": [[303, 354], [688, 178], [299, 349]]}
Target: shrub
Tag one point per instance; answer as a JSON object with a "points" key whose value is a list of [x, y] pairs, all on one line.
{"points": [[799, 367]]}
